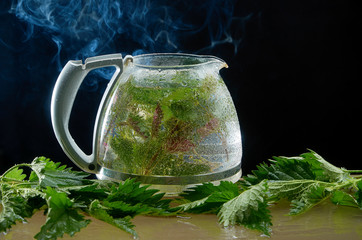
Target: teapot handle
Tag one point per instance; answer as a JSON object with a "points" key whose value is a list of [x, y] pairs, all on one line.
{"points": [[63, 97]]}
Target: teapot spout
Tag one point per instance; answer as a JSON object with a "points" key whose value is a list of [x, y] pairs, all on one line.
{"points": [[217, 62], [223, 65]]}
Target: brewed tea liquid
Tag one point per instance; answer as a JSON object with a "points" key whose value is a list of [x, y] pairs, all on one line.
{"points": [[174, 126]]}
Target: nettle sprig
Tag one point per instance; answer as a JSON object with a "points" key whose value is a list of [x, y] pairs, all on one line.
{"points": [[305, 181], [68, 197]]}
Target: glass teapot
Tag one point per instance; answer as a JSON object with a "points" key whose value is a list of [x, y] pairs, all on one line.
{"points": [[164, 119]]}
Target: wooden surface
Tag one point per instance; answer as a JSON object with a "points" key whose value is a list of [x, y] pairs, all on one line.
{"points": [[325, 221]]}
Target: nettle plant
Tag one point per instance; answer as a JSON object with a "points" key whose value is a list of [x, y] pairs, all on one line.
{"points": [[67, 196]]}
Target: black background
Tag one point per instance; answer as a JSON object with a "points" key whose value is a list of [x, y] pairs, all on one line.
{"points": [[294, 75]]}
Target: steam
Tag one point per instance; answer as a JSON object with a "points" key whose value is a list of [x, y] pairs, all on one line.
{"points": [[81, 29], [85, 28]]}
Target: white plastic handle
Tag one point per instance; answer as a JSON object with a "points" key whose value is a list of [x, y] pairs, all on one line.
{"points": [[63, 97]]}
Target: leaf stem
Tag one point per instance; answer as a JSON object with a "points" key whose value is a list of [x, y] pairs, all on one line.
{"points": [[354, 171], [13, 180]]}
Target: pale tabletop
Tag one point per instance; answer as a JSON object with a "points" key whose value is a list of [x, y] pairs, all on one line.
{"points": [[325, 221]]}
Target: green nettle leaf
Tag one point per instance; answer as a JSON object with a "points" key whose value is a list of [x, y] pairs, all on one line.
{"points": [[221, 197], [209, 204], [15, 174], [208, 197], [290, 169], [293, 188], [309, 165], [14, 208], [100, 212], [207, 189], [86, 193], [257, 219], [131, 193], [61, 217], [282, 168], [51, 174], [122, 209], [192, 205], [345, 199], [311, 196], [248, 209], [324, 170]]}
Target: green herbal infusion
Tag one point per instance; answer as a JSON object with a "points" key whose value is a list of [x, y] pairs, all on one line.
{"points": [[176, 124]]}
